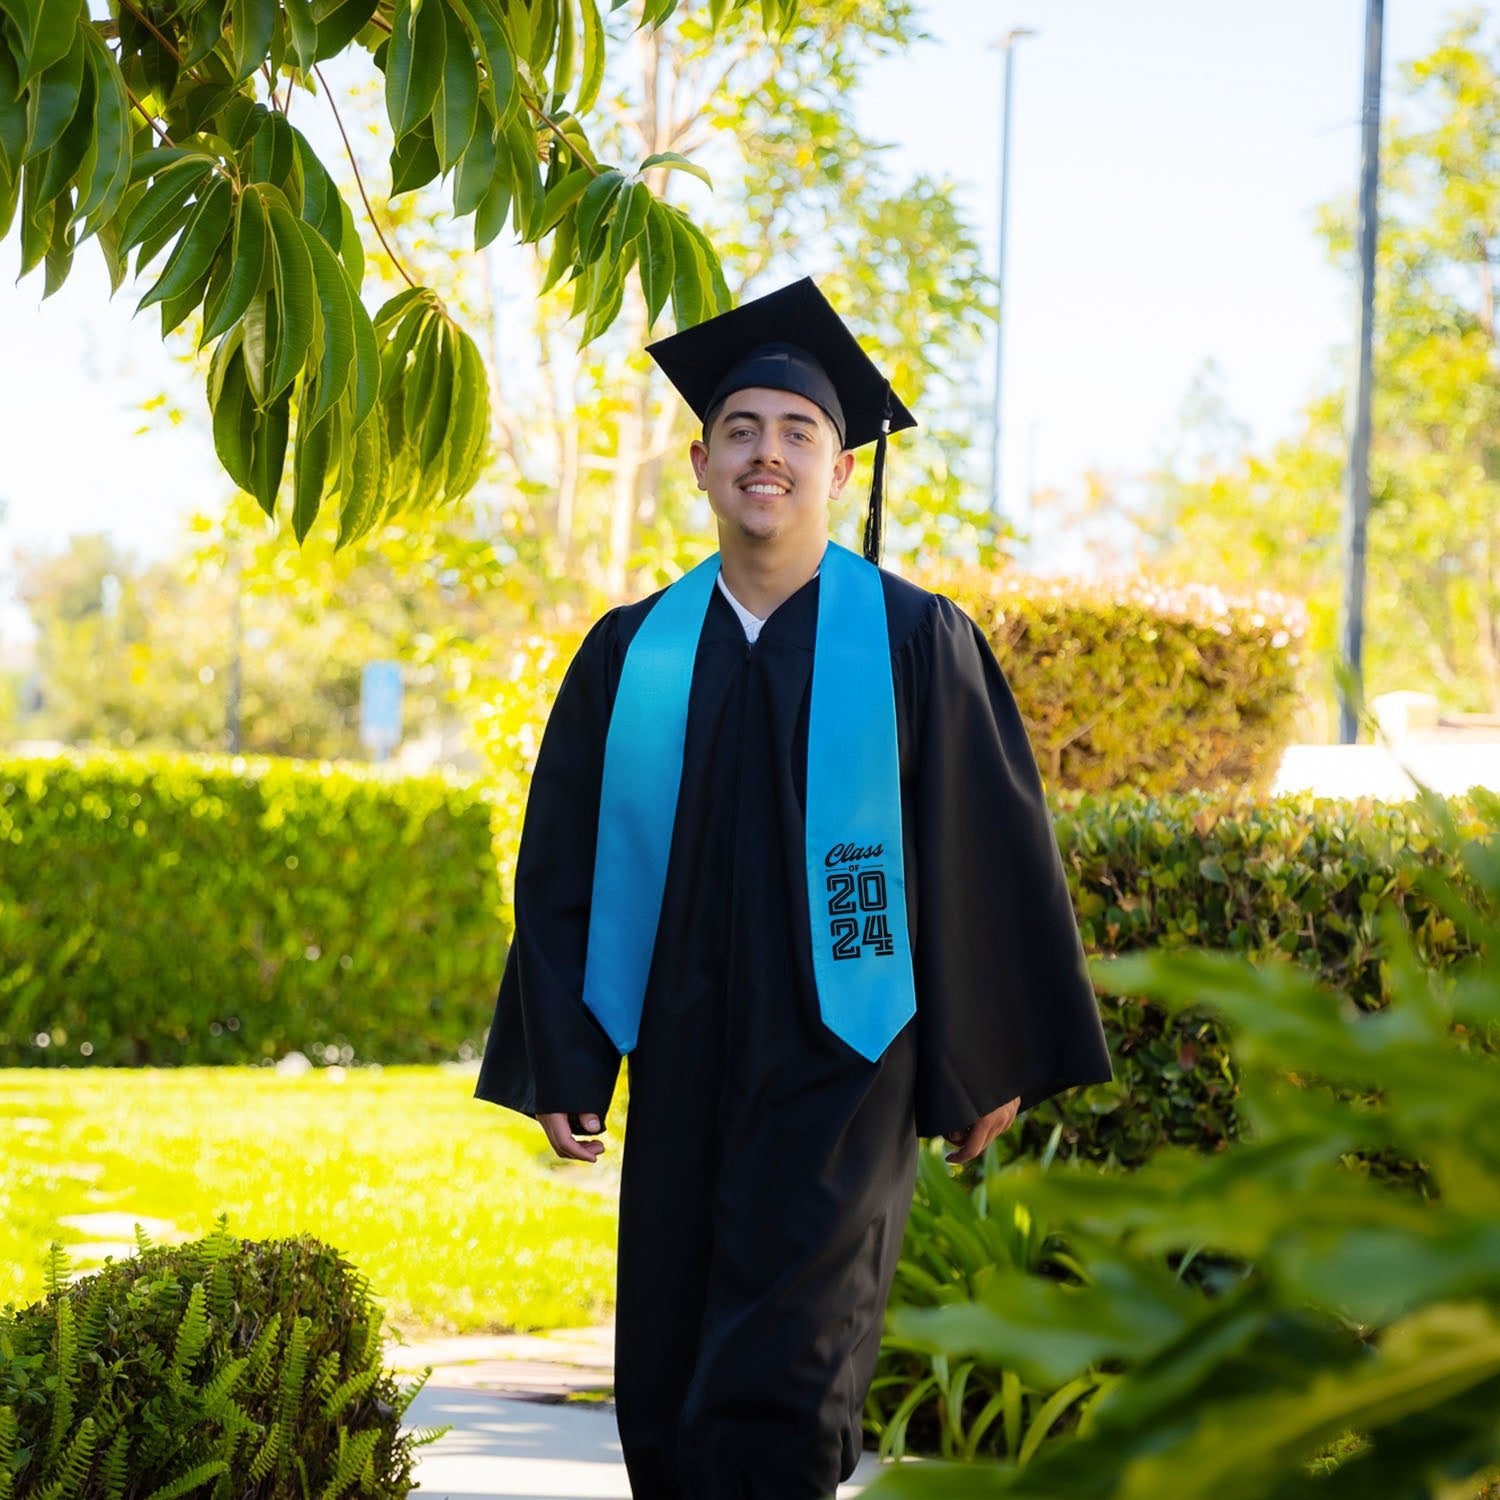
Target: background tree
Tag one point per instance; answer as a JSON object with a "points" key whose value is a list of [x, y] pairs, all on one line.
{"points": [[165, 131], [1271, 517]]}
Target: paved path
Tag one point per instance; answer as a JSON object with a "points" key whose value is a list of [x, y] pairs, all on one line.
{"points": [[513, 1437], [502, 1448]]}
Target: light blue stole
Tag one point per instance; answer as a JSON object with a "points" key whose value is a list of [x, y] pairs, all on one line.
{"points": [[856, 875]]}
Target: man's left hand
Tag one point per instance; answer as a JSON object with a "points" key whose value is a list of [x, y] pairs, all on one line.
{"points": [[971, 1142]]}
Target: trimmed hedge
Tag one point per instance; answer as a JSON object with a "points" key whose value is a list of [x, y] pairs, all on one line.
{"points": [[1126, 683], [160, 910], [1300, 877], [179, 909], [227, 1369]]}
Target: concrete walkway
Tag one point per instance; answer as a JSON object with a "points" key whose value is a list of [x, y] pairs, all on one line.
{"points": [[530, 1418]]}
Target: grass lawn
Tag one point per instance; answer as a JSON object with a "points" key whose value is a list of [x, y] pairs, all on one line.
{"points": [[455, 1210]]}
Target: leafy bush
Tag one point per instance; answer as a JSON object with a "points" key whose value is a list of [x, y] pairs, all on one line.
{"points": [[1278, 1322], [924, 1402], [218, 1369], [1300, 877], [176, 909], [1126, 683]]}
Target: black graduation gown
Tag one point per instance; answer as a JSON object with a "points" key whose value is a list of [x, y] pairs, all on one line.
{"points": [[768, 1167]]}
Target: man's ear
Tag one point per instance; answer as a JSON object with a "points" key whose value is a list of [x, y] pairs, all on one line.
{"points": [[843, 466], [698, 453]]}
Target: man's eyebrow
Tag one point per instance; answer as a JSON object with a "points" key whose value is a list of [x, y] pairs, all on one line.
{"points": [[755, 416]]}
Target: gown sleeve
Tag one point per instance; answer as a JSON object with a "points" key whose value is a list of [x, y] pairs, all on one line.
{"points": [[1005, 1007], [545, 1052]]}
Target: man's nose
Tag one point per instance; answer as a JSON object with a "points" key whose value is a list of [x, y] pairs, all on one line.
{"points": [[768, 447]]}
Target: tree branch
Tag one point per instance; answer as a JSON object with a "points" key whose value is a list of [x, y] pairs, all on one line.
{"points": [[147, 116], [557, 130], [359, 181]]}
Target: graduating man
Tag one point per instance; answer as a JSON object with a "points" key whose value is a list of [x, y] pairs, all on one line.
{"points": [[787, 848]]}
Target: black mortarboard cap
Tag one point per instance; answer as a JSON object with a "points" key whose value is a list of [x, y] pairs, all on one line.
{"points": [[790, 340]]}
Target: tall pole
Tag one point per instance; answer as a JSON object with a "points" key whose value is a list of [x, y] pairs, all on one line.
{"points": [[1007, 44], [1357, 478]]}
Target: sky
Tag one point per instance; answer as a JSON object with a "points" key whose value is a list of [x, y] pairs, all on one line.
{"points": [[1167, 161]]}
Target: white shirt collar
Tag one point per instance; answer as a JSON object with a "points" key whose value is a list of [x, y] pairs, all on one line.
{"points": [[751, 623]]}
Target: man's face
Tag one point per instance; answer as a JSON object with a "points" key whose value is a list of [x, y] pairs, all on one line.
{"points": [[769, 466]]}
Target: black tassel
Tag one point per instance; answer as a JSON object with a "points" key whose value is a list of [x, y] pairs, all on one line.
{"points": [[875, 519]]}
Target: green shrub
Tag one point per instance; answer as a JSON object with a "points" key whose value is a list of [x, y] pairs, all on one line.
{"points": [[183, 909], [218, 1369], [1130, 684], [925, 1402], [1293, 876], [1276, 1321]]}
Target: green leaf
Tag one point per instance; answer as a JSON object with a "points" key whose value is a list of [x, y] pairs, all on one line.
{"points": [[544, 25], [50, 38], [676, 161], [309, 471], [606, 279], [259, 341], [252, 25], [359, 502], [175, 309], [456, 106], [12, 115], [593, 211], [206, 30], [336, 314], [414, 66], [36, 219], [567, 49], [476, 169], [351, 250], [526, 176], [66, 157], [493, 210], [199, 242], [438, 416], [272, 152], [295, 298], [716, 289], [59, 256], [365, 385], [268, 451], [104, 174], [689, 272], [656, 262], [416, 387], [322, 203], [342, 24], [499, 59], [564, 242], [561, 196], [414, 162], [248, 261], [164, 199], [234, 414], [53, 99], [629, 219], [593, 57], [469, 440], [304, 30]]}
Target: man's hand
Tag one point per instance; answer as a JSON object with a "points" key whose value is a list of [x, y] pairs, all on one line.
{"points": [[560, 1130], [971, 1142]]}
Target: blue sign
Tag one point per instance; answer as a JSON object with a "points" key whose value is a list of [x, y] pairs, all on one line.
{"points": [[380, 707]]}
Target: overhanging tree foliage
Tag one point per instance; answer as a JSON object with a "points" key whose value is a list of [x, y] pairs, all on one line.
{"points": [[163, 133]]}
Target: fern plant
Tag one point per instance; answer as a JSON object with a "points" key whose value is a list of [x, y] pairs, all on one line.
{"points": [[225, 1369]]}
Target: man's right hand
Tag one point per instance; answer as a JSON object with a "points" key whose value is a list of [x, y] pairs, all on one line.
{"points": [[560, 1132]]}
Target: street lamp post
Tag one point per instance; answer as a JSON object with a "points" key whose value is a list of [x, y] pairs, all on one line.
{"points": [[1007, 45], [1357, 475]]}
